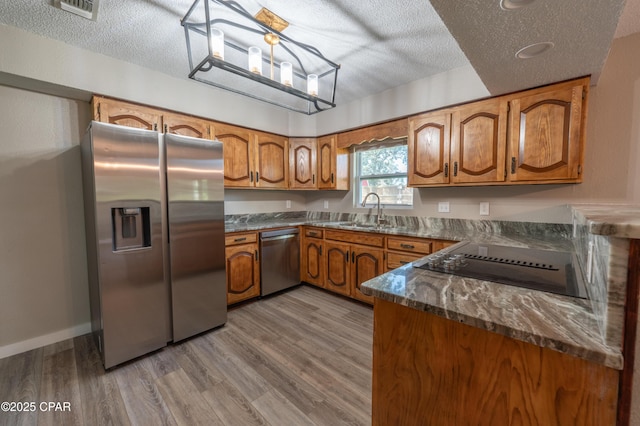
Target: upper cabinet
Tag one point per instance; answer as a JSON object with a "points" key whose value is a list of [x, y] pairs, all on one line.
{"points": [[478, 142], [253, 159], [238, 146], [535, 136], [303, 163], [428, 148], [179, 124], [126, 114], [333, 164], [271, 161], [547, 135]]}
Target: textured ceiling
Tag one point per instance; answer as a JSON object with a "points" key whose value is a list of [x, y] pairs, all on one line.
{"points": [[379, 44]]}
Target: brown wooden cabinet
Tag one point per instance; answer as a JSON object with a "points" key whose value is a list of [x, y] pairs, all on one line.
{"points": [[352, 258], [479, 142], [243, 266], [428, 149], [312, 256], [430, 370], [536, 136], [303, 163], [546, 129], [333, 164], [122, 113], [341, 261], [253, 159], [271, 161], [185, 125]]}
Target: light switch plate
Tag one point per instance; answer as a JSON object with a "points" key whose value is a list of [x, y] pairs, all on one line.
{"points": [[288, 203], [443, 207], [326, 204]]}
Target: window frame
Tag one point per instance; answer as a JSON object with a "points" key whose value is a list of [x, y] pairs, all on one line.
{"points": [[358, 177]]}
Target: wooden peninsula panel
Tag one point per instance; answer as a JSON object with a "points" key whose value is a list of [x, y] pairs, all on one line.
{"points": [[428, 370]]}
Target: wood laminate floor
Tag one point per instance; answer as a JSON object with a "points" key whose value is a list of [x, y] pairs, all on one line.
{"points": [[298, 358]]}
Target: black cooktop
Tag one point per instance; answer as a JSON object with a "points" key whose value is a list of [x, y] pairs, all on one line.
{"points": [[544, 270]]}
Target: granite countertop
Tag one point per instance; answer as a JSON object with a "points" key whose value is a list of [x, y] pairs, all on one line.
{"points": [[610, 220], [562, 323]]}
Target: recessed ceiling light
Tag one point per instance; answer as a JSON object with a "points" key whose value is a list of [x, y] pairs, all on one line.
{"points": [[514, 4], [534, 50]]}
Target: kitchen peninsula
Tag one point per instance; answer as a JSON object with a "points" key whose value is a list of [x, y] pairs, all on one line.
{"points": [[450, 350]]}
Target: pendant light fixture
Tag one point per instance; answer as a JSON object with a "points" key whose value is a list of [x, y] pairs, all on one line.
{"points": [[249, 55]]}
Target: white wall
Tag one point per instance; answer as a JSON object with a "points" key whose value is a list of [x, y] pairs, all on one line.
{"points": [[43, 279]]}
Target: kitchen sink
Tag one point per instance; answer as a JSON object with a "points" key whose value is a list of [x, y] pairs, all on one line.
{"points": [[360, 225]]}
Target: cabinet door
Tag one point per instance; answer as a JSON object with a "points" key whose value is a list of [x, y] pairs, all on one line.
{"points": [[479, 142], [302, 162], [428, 149], [312, 261], [545, 141], [243, 272], [125, 114], [271, 161], [333, 164], [238, 154], [185, 125], [338, 273], [366, 263]]}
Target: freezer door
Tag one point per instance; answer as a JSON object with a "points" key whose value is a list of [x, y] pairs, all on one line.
{"points": [[195, 194], [130, 308]]}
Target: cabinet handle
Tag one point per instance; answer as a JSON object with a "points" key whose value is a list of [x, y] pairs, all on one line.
{"points": [[353, 257], [313, 179], [455, 168], [257, 177], [346, 257], [407, 246], [320, 250], [446, 169], [513, 165], [250, 176], [331, 177], [155, 126], [256, 255], [237, 240], [312, 233]]}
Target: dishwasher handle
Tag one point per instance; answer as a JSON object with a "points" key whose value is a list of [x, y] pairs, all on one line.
{"points": [[279, 237]]}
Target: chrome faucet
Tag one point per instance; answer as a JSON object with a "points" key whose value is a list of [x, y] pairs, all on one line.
{"points": [[364, 203]]}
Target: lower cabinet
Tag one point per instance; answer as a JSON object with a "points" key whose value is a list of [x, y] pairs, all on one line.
{"points": [[243, 267], [340, 261], [312, 255]]}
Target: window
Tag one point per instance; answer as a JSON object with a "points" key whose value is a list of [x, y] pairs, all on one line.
{"points": [[382, 168]]}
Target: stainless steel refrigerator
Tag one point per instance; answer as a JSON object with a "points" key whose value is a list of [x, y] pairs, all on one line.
{"points": [[154, 217]]}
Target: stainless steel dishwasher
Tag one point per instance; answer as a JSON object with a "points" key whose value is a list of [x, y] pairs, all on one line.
{"points": [[280, 260]]}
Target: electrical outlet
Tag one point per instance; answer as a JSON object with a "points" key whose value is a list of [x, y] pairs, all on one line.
{"points": [[484, 209], [443, 207], [288, 203], [326, 204]]}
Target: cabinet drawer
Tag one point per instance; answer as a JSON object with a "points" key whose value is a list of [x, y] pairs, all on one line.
{"points": [[313, 233], [396, 260], [234, 239], [363, 238], [413, 246]]}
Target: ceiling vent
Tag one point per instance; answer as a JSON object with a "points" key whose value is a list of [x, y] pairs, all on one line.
{"points": [[86, 8]]}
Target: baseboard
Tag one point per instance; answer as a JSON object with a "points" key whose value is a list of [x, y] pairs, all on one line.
{"points": [[44, 340]]}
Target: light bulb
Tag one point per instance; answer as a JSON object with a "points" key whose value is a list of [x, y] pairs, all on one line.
{"points": [[286, 74], [255, 60], [312, 84], [217, 43]]}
